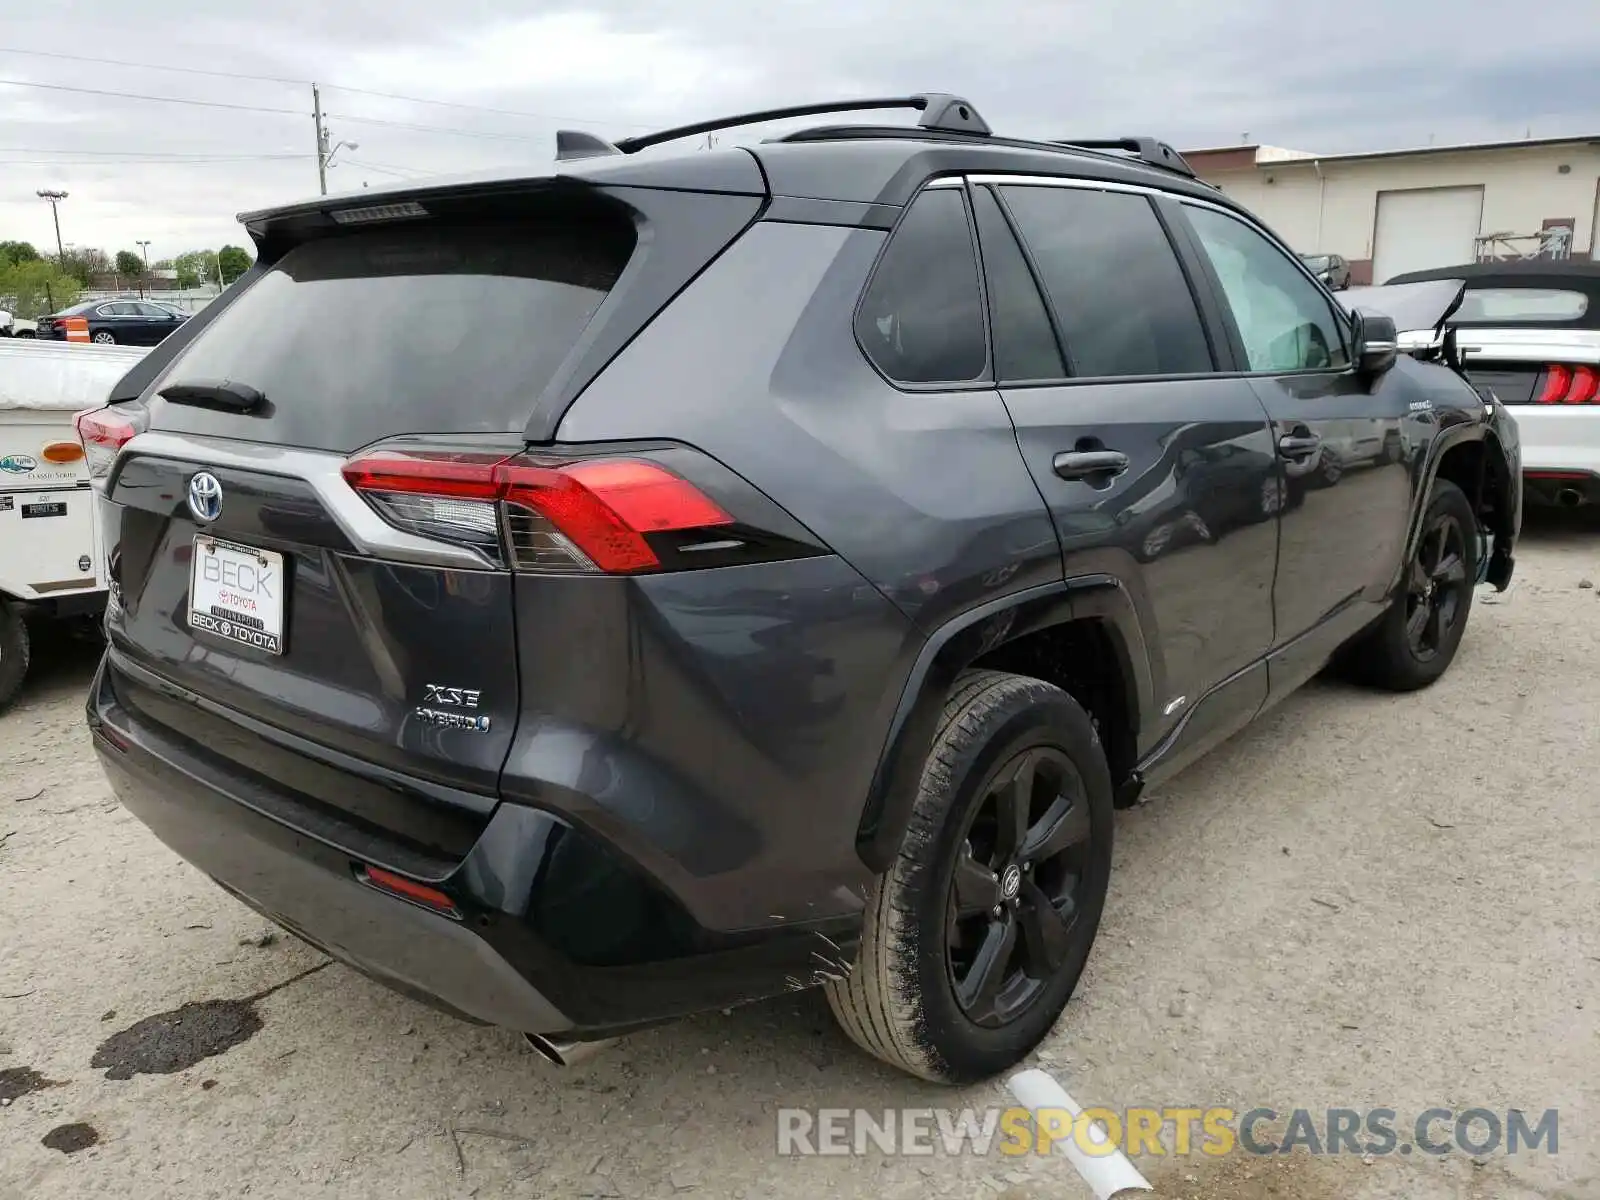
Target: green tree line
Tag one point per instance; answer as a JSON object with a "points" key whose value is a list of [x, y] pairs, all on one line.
{"points": [[34, 284]]}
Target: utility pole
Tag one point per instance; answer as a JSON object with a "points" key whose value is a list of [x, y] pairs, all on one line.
{"points": [[144, 249], [322, 139], [55, 198]]}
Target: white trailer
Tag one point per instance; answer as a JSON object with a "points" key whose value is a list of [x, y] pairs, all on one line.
{"points": [[52, 562]]}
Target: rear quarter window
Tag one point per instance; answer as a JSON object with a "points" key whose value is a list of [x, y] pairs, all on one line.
{"points": [[1494, 305], [921, 317], [410, 328]]}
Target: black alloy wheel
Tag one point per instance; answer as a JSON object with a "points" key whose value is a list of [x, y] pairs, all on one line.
{"points": [[1438, 585], [1017, 887]]}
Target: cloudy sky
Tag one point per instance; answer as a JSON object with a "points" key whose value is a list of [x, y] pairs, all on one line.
{"points": [[1352, 75]]}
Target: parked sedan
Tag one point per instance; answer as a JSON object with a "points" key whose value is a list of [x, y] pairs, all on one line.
{"points": [[112, 322], [1332, 269]]}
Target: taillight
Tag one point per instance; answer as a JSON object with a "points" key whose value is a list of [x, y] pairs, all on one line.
{"points": [[103, 432], [1569, 385], [1585, 383], [591, 515]]}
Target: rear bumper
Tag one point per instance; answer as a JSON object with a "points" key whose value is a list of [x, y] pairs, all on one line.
{"points": [[1560, 452], [527, 949]]}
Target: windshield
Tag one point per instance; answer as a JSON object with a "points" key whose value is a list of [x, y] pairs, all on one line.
{"points": [[1317, 262]]}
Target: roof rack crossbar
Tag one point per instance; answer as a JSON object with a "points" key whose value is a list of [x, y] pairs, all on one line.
{"points": [[1146, 149], [940, 111]]}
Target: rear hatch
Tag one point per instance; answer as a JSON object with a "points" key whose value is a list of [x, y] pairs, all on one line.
{"points": [[291, 609]]}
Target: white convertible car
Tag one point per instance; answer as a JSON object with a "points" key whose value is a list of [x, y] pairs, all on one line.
{"points": [[1529, 331]]}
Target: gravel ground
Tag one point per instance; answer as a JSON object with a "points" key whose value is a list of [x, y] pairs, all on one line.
{"points": [[1363, 900]]}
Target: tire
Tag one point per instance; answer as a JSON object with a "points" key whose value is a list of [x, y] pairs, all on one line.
{"points": [[104, 337], [1434, 601], [13, 653], [913, 998]]}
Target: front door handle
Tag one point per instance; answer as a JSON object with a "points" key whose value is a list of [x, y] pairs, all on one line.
{"points": [[1085, 464], [1298, 445]]}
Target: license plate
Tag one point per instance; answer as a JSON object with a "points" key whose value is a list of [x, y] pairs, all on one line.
{"points": [[236, 593]]}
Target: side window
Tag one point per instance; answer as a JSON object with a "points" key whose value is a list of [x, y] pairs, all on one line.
{"points": [[1025, 345], [921, 320], [112, 310], [1120, 298], [1285, 322]]}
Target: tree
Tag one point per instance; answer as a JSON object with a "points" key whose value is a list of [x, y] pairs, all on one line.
{"points": [[12, 253], [195, 267], [36, 287], [233, 261], [84, 263], [129, 263]]}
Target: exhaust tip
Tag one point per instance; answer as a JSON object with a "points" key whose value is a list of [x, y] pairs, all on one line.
{"points": [[1569, 498], [566, 1054]]}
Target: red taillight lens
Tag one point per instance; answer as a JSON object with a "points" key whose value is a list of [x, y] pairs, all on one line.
{"points": [[1585, 383], [103, 432], [1557, 379], [591, 515]]}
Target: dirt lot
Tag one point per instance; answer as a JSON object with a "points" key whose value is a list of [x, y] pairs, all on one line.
{"points": [[1363, 901]]}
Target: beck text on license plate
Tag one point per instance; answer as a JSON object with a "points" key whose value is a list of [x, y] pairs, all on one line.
{"points": [[236, 593]]}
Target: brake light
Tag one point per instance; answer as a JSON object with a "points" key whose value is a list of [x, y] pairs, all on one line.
{"points": [[594, 515], [104, 432]]}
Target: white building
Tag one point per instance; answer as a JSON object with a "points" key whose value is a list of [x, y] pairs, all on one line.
{"points": [[1404, 210]]}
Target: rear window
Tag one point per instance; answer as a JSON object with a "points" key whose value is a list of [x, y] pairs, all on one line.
{"points": [[416, 328], [1522, 304]]}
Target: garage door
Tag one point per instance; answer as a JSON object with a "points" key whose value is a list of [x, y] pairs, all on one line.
{"points": [[1429, 227]]}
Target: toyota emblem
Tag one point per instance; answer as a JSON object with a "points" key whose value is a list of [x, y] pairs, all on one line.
{"points": [[205, 497]]}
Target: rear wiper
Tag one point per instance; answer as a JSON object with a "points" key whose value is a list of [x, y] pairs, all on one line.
{"points": [[215, 393]]}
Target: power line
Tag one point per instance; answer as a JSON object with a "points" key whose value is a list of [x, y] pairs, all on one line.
{"points": [[151, 162], [177, 155], [504, 112], [472, 133], [62, 87], [387, 168], [119, 62]]}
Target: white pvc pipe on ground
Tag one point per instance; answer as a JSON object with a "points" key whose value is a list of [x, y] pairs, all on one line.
{"points": [[1107, 1174]]}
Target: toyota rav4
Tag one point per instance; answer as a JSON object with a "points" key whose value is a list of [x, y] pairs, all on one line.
{"points": [[584, 599]]}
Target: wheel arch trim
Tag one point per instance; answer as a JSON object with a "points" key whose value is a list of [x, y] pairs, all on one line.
{"points": [[951, 649]]}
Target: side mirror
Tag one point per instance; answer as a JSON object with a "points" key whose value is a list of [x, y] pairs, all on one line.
{"points": [[1377, 344]]}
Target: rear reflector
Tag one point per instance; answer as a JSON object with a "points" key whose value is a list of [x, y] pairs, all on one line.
{"points": [[103, 432], [410, 889], [1569, 385], [62, 452], [586, 516]]}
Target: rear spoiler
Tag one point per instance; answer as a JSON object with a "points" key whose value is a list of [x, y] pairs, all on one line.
{"points": [[1419, 309]]}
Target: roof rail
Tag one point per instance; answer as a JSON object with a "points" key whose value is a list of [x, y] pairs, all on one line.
{"points": [[1146, 149], [940, 111]]}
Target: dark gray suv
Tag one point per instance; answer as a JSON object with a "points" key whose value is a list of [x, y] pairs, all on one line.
{"points": [[585, 599]]}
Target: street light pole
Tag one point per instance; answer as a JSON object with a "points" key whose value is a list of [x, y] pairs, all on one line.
{"points": [[322, 139], [144, 249], [55, 198]]}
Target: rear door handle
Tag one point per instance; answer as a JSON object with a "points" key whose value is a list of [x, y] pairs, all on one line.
{"points": [[1082, 464], [1298, 446]]}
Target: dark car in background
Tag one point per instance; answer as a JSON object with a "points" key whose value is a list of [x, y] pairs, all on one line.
{"points": [[116, 322], [1530, 329], [1331, 269]]}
